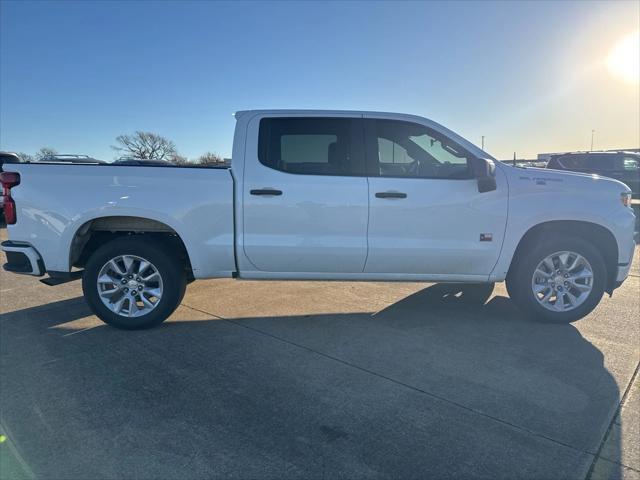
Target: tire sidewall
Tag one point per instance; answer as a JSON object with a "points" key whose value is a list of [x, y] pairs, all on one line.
{"points": [[523, 293], [173, 280]]}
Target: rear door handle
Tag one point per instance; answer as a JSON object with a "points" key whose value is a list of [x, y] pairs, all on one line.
{"points": [[391, 195], [266, 191]]}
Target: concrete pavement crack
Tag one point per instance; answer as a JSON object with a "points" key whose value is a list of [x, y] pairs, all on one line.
{"points": [[397, 382], [605, 437]]}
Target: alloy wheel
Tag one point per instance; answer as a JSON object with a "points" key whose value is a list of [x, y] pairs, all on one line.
{"points": [[562, 281], [129, 285]]}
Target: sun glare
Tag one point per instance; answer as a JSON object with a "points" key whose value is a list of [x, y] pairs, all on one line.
{"points": [[624, 59]]}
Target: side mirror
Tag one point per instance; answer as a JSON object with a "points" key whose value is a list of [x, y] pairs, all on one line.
{"points": [[485, 172]]}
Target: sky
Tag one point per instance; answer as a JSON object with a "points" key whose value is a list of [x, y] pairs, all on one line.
{"points": [[530, 77]]}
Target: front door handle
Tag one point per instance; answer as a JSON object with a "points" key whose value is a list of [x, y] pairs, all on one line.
{"points": [[266, 191], [391, 195]]}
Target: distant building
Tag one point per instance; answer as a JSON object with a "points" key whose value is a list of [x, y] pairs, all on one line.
{"points": [[526, 162]]}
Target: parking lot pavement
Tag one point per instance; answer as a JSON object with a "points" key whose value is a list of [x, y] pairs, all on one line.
{"points": [[315, 380]]}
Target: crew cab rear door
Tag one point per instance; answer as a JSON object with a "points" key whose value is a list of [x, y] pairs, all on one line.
{"points": [[305, 198]]}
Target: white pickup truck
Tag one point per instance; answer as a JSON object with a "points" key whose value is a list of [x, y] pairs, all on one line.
{"points": [[321, 195]]}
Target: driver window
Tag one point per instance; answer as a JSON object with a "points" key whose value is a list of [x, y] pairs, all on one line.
{"points": [[405, 149]]}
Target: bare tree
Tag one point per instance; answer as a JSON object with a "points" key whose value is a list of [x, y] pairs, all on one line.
{"points": [[26, 157], [178, 159], [145, 145], [209, 158], [44, 153]]}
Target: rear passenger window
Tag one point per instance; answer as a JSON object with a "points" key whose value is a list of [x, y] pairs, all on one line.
{"points": [[311, 146]]}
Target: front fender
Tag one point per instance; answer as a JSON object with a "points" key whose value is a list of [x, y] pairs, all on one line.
{"points": [[527, 213]]}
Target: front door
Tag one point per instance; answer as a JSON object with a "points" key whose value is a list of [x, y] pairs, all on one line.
{"points": [[426, 214]]}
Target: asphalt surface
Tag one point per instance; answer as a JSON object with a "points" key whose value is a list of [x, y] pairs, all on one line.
{"points": [[317, 380]]}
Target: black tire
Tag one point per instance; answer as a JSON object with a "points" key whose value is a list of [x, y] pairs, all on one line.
{"points": [[519, 280], [169, 267], [510, 286]]}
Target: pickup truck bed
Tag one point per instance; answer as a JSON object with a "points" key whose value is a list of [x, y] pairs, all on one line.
{"points": [[196, 201]]}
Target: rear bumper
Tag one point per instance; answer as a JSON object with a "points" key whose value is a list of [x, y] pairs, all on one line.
{"points": [[22, 258]]}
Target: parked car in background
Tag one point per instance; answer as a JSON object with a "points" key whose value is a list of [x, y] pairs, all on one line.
{"points": [[71, 158], [526, 163], [9, 157], [143, 162], [323, 195], [623, 166], [6, 157]]}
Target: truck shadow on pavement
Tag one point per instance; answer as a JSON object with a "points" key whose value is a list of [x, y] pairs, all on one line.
{"points": [[425, 387]]}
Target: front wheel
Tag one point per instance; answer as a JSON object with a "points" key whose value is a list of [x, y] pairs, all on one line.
{"points": [[133, 283], [559, 280]]}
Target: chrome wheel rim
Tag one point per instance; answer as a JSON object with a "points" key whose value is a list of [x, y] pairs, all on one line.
{"points": [[562, 281], [129, 286]]}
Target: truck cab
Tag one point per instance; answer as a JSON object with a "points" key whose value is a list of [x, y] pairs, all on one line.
{"points": [[349, 184]]}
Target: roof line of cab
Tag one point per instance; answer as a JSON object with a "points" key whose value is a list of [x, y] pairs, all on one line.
{"points": [[241, 113]]}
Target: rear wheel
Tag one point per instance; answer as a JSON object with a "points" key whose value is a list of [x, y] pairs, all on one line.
{"points": [[559, 280], [133, 283]]}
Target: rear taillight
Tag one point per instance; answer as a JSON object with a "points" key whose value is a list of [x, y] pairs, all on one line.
{"points": [[9, 180]]}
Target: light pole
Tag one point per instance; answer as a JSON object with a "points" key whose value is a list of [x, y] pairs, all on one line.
{"points": [[482, 142], [592, 132]]}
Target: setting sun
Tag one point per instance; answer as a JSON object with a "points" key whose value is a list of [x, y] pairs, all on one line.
{"points": [[624, 59]]}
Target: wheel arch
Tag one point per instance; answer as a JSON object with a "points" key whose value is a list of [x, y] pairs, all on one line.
{"points": [[601, 238], [95, 232]]}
